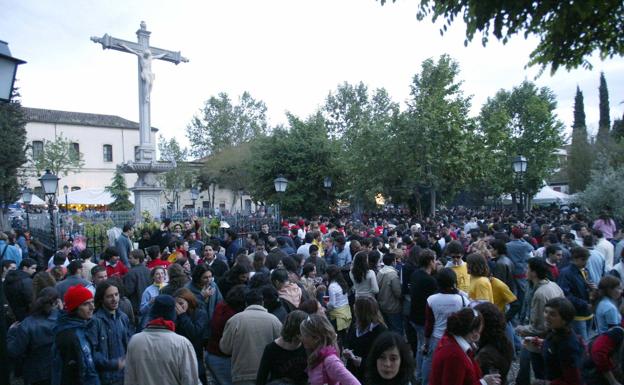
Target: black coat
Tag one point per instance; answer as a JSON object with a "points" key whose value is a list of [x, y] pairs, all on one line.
{"points": [[19, 293]]}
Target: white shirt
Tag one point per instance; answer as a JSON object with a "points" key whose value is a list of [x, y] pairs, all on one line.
{"points": [[336, 297]]}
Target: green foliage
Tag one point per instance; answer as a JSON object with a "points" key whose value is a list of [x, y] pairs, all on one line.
{"points": [[522, 122], [361, 126], [604, 191], [580, 158], [228, 168], [58, 156], [435, 135], [569, 31], [13, 156], [303, 154], [604, 124], [181, 176], [119, 190], [618, 129], [221, 124]]}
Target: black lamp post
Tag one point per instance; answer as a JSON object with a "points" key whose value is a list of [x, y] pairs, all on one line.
{"points": [[281, 184], [65, 191], [27, 198], [240, 196], [519, 165], [49, 183], [8, 69], [327, 185]]}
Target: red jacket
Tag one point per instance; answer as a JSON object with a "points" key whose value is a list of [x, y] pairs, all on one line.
{"points": [[119, 270], [452, 366]]}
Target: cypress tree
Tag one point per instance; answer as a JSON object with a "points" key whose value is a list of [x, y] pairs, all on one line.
{"points": [[580, 156], [119, 190], [604, 124]]}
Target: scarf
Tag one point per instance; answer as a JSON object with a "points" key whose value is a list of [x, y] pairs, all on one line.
{"points": [[162, 323]]}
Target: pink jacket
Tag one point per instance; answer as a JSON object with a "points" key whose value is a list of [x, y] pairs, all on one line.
{"points": [[331, 371]]}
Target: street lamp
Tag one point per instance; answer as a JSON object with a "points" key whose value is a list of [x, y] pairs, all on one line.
{"points": [[27, 198], [49, 184], [240, 195], [327, 184], [8, 69], [65, 191], [281, 184], [519, 165], [194, 196]]}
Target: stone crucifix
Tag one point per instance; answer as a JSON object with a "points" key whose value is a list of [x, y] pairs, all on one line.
{"points": [[145, 55]]}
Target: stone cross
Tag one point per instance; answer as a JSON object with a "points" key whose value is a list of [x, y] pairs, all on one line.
{"points": [[145, 54]]}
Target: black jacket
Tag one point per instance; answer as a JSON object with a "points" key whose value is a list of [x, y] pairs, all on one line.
{"points": [[422, 285], [18, 292], [135, 282]]}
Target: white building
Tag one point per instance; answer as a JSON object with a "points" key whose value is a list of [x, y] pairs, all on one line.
{"points": [[104, 141]]}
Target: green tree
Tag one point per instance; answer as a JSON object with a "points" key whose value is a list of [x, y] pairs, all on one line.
{"points": [[618, 129], [580, 158], [604, 192], [521, 121], [569, 31], [58, 156], [13, 156], [221, 124], [303, 154], [360, 124], [119, 191], [435, 133], [604, 124], [181, 176], [227, 169]]}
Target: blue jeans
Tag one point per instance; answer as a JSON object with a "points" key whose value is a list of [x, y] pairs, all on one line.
{"points": [[528, 360], [220, 367], [427, 360], [522, 290], [420, 335], [394, 321], [581, 328]]}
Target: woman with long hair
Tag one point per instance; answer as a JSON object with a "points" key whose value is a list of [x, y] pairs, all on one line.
{"points": [[608, 301], [364, 279], [31, 340], [191, 322], [177, 279], [206, 291], [480, 286], [495, 351], [368, 325], [390, 361], [285, 358], [453, 360], [237, 275], [439, 307], [338, 302], [324, 365]]}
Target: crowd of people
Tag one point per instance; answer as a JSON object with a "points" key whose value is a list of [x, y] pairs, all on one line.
{"points": [[387, 299]]}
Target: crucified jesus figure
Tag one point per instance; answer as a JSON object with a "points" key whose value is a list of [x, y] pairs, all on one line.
{"points": [[145, 60]]}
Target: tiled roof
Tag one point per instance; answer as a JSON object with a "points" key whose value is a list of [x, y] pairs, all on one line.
{"points": [[78, 118]]}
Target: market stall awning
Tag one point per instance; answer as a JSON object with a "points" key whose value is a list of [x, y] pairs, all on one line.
{"points": [[35, 201], [88, 196]]}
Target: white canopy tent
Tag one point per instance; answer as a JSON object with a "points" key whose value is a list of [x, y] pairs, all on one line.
{"points": [[35, 201], [546, 195], [88, 196]]}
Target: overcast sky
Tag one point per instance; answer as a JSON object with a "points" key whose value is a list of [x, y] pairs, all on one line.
{"points": [[288, 53]]}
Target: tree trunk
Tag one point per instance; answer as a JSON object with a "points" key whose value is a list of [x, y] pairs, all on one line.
{"points": [[433, 202]]}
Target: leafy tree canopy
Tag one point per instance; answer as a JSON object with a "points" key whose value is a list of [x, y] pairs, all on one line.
{"points": [[58, 156], [119, 191], [13, 156], [221, 124], [569, 31], [181, 176]]}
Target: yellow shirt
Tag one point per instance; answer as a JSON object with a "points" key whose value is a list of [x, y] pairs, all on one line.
{"points": [[501, 294], [463, 278], [480, 289]]}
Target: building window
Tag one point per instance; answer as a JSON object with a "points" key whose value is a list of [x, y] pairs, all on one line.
{"points": [[37, 148], [74, 151], [108, 153]]}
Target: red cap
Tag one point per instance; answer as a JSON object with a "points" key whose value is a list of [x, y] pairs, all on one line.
{"points": [[76, 296]]}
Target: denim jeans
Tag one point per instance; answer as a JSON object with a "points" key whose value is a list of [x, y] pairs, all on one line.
{"points": [[420, 335], [522, 291], [394, 321], [581, 328], [220, 367], [427, 360], [528, 360]]}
